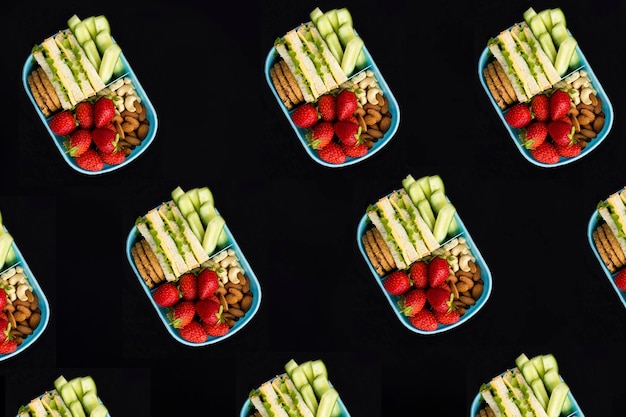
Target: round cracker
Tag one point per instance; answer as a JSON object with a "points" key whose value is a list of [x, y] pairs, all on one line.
{"points": [[39, 99], [378, 251], [506, 82], [280, 89], [52, 92], [384, 248], [601, 250], [293, 83], [371, 255], [493, 89], [614, 245], [145, 275], [154, 262]]}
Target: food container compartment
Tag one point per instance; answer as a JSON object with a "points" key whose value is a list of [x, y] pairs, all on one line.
{"points": [[514, 133], [394, 110], [248, 409], [594, 222], [478, 402], [255, 288], [43, 304], [364, 224], [31, 64]]}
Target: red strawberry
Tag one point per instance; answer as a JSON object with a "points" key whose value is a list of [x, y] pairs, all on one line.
{"points": [[438, 271], [356, 151], [193, 332], [418, 272], [103, 111], [348, 132], [326, 107], [207, 282], [4, 324], [449, 317], [560, 103], [62, 123], [620, 280], [545, 153], [321, 134], [105, 140], [113, 158], [424, 320], [110, 126], [561, 132], [182, 313], [187, 286], [332, 153], [412, 302], [440, 299], [210, 311], [78, 142], [166, 294], [305, 116], [534, 134], [216, 330], [84, 114], [397, 283], [90, 161], [8, 346], [570, 150], [518, 116], [3, 298], [540, 107], [346, 103]]}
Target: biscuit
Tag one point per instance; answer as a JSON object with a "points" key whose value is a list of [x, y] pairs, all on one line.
{"points": [[602, 251], [371, 254], [614, 245], [39, 99], [293, 83], [506, 82], [145, 275], [154, 262], [52, 92], [277, 80], [384, 248], [369, 235], [604, 240], [501, 81]]}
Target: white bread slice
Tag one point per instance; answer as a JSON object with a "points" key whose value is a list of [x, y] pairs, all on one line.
{"points": [[272, 398], [532, 400], [410, 226], [618, 209], [400, 235], [60, 90], [531, 59], [190, 260], [37, 407], [334, 65], [195, 244], [304, 87], [604, 212], [258, 405], [519, 64], [504, 397], [305, 64], [166, 242], [90, 71], [298, 399], [74, 64], [389, 240], [62, 71], [491, 402], [548, 68], [317, 58], [427, 235]]}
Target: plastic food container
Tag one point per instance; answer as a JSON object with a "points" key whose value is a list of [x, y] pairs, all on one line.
{"points": [[43, 304], [394, 110], [514, 133], [364, 224], [478, 402], [31, 64], [595, 221], [248, 409], [255, 288]]}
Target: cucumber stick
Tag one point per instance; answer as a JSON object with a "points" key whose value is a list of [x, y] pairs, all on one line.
{"points": [[308, 370], [290, 366], [108, 65], [6, 241], [212, 233], [320, 386], [318, 367], [99, 411], [426, 211], [415, 192], [407, 181], [564, 55], [557, 398], [315, 14], [539, 389], [442, 222], [327, 403], [351, 54]]}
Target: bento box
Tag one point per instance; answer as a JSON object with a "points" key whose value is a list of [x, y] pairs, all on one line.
{"points": [[23, 290], [397, 223], [375, 109], [589, 112], [605, 236], [134, 120], [235, 293]]}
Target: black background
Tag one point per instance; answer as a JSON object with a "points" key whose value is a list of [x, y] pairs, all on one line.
{"points": [[220, 126]]}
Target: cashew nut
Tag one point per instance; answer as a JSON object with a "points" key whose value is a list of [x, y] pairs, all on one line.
{"points": [[230, 260], [452, 243], [464, 262], [21, 292], [129, 102], [125, 89], [359, 77], [117, 84], [232, 274], [584, 95], [220, 256], [371, 95], [119, 103], [360, 95], [581, 82], [368, 82]]}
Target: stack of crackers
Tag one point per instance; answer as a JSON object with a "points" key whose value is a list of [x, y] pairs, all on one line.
{"points": [[499, 85], [286, 84], [608, 247], [378, 252], [147, 263], [43, 92]]}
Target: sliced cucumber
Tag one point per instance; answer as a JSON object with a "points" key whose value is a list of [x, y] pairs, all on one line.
{"points": [[102, 24], [319, 368], [546, 18], [351, 54], [426, 211], [537, 26], [436, 183], [176, 193], [539, 389], [549, 362], [557, 16], [81, 32], [559, 33], [194, 197], [185, 205], [88, 384], [320, 386], [407, 181], [207, 212], [99, 411], [323, 25], [424, 182], [195, 223], [68, 394], [547, 44], [77, 384], [529, 371], [564, 55], [89, 401], [290, 366], [109, 62], [442, 222], [212, 233], [437, 201], [529, 14], [332, 18], [77, 409], [551, 379], [205, 195], [309, 397], [308, 370], [6, 241], [345, 33], [222, 239], [299, 377], [327, 402], [537, 362], [72, 22], [90, 23], [521, 360], [415, 192], [344, 16], [92, 53], [103, 41], [59, 382], [317, 12], [334, 45], [555, 403]]}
